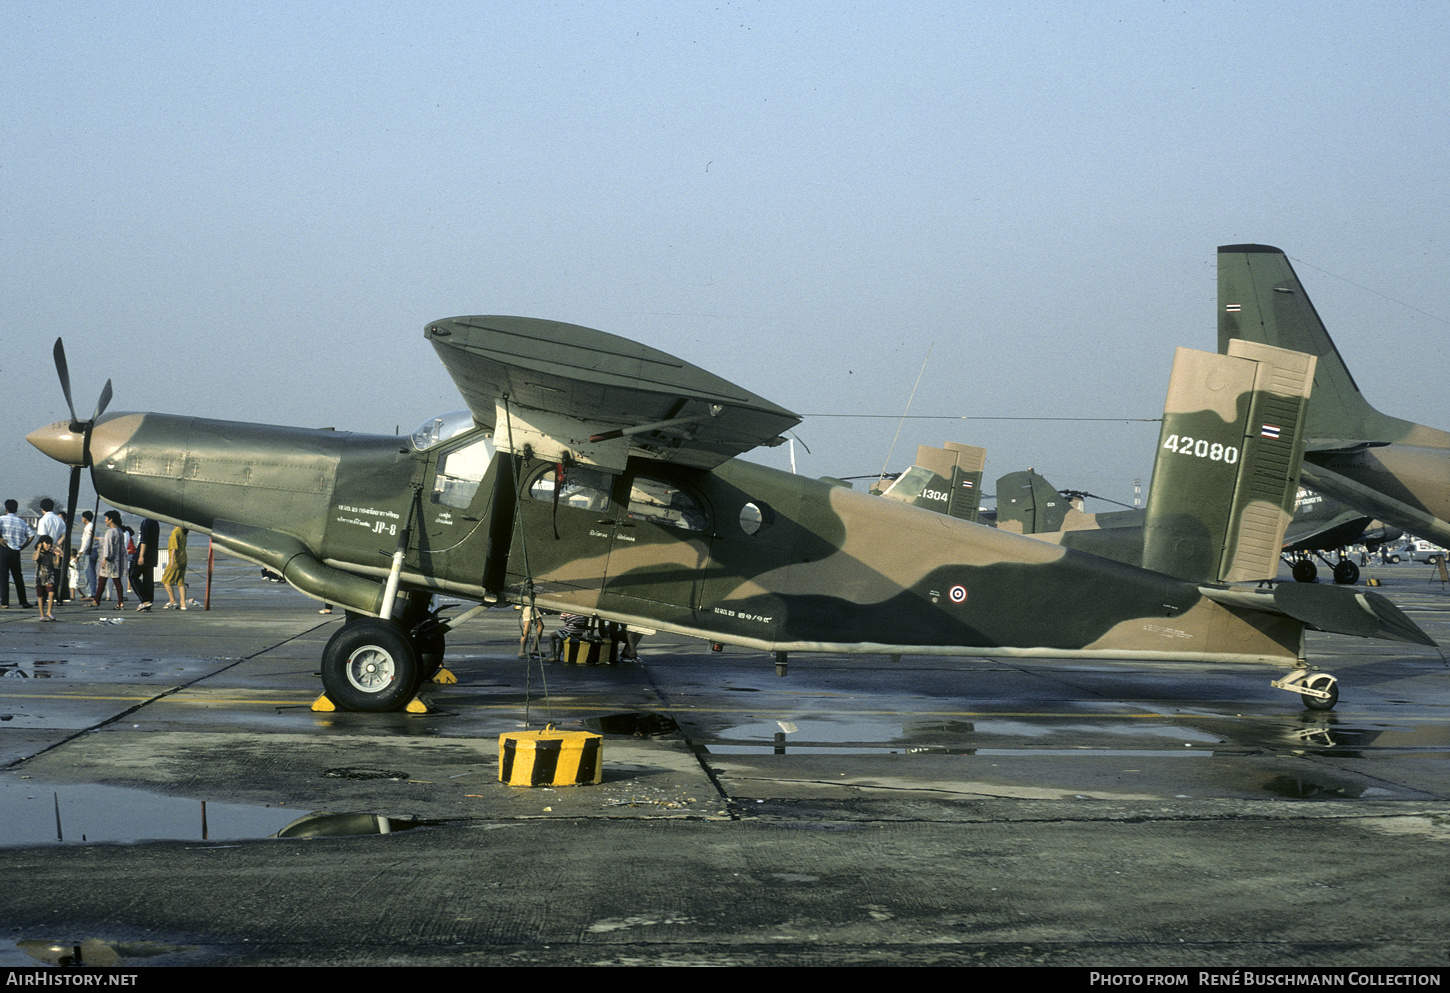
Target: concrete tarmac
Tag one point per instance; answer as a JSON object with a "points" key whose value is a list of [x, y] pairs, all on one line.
{"points": [[930, 811]]}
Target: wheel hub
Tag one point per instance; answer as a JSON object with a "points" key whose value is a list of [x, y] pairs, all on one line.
{"points": [[371, 669]]}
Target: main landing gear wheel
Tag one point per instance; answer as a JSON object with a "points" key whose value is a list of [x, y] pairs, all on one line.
{"points": [[430, 648], [1322, 681], [369, 665], [1346, 573], [1305, 571]]}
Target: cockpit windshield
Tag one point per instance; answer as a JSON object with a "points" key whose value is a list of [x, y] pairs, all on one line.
{"points": [[441, 428]]}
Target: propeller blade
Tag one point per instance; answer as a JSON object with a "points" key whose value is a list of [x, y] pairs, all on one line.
{"points": [[1070, 494], [63, 371], [70, 520], [102, 403], [71, 498]]}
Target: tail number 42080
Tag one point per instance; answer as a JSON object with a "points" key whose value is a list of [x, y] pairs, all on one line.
{"points": [[1202, 448]]}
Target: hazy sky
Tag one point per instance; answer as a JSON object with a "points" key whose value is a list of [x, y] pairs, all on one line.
{"points": [[250, 210]]}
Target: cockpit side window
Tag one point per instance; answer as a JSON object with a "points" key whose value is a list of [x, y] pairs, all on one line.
{"points": [[660, 502], [459, 472]]}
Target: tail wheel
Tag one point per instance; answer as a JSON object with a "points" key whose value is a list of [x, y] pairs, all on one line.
{"points": [[1322, 681], [371, 666]]}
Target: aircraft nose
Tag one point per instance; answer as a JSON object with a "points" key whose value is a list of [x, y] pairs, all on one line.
{"points": [[59, 442], [111, 432]]}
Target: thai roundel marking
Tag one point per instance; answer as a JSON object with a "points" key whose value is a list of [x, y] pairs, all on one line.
{"points": [[957, 594]]}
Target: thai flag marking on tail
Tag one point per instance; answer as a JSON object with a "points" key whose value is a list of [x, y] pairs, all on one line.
{"points": [[1271, 431]]}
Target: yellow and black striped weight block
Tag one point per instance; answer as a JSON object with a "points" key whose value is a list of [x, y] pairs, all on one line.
{"points": [[550, 758], [583, 651]]}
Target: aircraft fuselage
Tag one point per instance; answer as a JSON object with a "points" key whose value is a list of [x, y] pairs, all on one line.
{"points": [[1406, 485], [740, 554]]}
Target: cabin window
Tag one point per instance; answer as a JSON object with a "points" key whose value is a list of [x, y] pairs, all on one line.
{"points": [[459, 472], [754, 517], [584, 488], [661, 502]]}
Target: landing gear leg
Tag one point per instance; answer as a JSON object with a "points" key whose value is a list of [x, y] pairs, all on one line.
{"points": [[1319, 690], [425, 631]]}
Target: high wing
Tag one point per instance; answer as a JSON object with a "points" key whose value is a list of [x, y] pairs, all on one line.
{"points": [[573, 393]]}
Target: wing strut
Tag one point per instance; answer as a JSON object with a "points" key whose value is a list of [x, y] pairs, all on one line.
{"points": [[655, 426]]}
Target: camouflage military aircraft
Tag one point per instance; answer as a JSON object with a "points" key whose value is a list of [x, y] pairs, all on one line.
{"points": [[597, 475], [1384, 467]]}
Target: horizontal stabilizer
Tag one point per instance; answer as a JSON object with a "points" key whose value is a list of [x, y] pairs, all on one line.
{"points": [[1335, 609]]}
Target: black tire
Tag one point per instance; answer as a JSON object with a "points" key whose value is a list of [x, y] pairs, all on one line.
{"points": [[430, 649], [1346, 573], [1305, 571], [1395, 559], [1326, 682], [369, 666]]}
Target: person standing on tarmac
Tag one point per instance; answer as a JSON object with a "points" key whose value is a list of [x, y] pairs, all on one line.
{"points": [[112, 561], [15, 534], [146, 538]]}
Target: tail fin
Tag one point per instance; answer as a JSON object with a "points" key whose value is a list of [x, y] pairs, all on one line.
{"points": [[945, 480], [1261, 299], [1029, 504], [1228, 463]]}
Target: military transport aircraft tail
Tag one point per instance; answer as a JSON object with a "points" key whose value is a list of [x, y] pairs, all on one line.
{"points": [[1383, 466], [947, 480], [1261, 299]]}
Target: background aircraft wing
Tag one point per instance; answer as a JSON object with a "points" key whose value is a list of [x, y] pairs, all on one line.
{"points": [[1344, 528], [566, 390]]}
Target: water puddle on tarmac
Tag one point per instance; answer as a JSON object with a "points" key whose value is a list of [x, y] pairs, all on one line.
{"points": [[36, 813], [954, 737], [811, 737], [91, 952]]}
